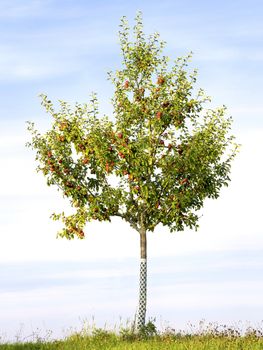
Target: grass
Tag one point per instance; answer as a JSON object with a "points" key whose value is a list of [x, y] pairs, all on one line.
{"points": [[207, 338]]}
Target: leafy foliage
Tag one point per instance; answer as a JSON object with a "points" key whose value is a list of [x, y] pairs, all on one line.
{"points": [[156, 162]]}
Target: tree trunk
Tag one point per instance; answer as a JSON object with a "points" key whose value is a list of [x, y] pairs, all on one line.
{"points": [[143, 281]]}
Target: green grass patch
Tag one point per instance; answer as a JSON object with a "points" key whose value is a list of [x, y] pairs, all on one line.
{"points": [[218, 338]]}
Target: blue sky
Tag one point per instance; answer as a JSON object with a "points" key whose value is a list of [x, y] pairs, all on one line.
{"points": [[64, 49]]}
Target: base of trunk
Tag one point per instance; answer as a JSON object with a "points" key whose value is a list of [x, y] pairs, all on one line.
{"points": [[142, 294]]}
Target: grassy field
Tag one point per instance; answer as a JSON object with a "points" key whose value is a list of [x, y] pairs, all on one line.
{"points": [[149, 339]]}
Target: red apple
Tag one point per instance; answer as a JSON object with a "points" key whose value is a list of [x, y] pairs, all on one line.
{"points": [[184, 181], [158, 115], [160, 80], [126, 84], [85, 161], [81, 233]]}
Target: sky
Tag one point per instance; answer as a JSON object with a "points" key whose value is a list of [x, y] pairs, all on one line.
{"points": [[65, 49]]}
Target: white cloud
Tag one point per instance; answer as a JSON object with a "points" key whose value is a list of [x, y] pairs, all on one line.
{"points": [[208, 295], [228, 54], [247, 110], [54, 51], [30, 64]]}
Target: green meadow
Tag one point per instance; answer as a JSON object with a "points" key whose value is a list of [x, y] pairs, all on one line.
{"points": [[218, 338]]}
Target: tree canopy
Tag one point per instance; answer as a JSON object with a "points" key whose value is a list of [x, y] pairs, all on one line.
{"points": [[155, 161]]}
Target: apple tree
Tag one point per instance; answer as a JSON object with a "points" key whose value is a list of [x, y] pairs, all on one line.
{"points": [[155, 161]]}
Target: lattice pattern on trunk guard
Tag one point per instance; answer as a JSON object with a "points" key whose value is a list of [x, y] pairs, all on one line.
{"points": [[143, 294]]}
